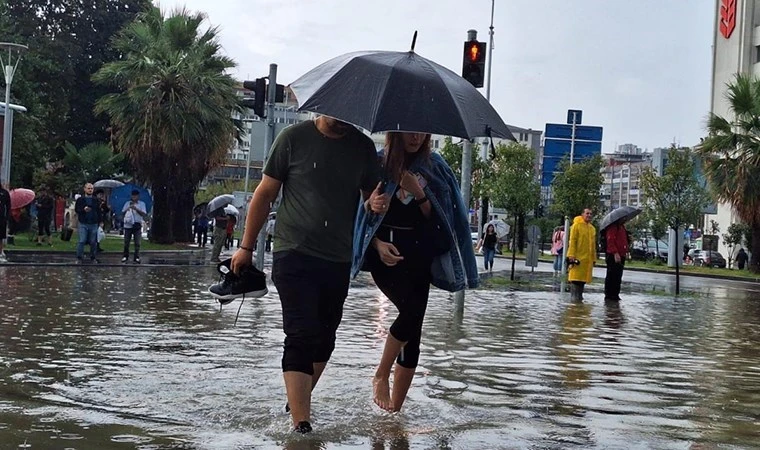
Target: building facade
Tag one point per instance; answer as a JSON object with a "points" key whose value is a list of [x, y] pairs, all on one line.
{"points": [[736, 49]]}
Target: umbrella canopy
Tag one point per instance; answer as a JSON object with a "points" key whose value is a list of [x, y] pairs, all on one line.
{"points": [[499, 226], [21, 197], [625, 213], [108, 184], [229, 209], [123, 194], [216, 204], [398, 91]]}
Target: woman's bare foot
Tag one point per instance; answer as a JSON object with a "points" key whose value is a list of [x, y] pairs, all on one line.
{"points": [[382, 393]]}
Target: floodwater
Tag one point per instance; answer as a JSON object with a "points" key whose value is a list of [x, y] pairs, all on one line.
{"points": [[139, 357]]}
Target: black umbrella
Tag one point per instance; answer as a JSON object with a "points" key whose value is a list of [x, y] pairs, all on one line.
{"points": [[625, 213], [398, 91]]}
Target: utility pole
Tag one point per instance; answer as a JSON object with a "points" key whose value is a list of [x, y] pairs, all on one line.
{"points": [[566, 239], [484, 205], [270, 131]]}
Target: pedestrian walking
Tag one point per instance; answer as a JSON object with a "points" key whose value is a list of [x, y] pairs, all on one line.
{"points": [[487, 244], [89, 218], [321, 166], [616, 238], [581, 254], [270, 233], [219, 237], [229, 240], [45, 204], [5, 212], [408, 234], [200, 229], [558, 242], [134, 212], [741, 258]]}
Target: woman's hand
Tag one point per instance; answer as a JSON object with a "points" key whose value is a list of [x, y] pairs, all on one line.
{"points": [[388, 252], [411, 183], [378, 201]]}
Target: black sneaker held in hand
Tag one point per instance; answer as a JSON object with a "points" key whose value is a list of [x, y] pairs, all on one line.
{"points": [[251, 282]]}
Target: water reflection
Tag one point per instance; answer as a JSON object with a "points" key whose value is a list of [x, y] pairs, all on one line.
{"points": [[97, 357]]}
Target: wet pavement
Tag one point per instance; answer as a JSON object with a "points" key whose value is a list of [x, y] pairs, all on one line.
{"points": [[140, 357]]}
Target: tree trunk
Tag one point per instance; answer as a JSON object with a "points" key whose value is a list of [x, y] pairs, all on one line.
{"points": [[161, 228], [514, 249], [754, 262], [521, 231], [182, 216]]}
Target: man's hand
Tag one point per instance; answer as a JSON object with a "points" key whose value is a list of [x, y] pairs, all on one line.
{"points": [[388, 252], [378, 202], [617, 258], [87, 209], [241, 258]]}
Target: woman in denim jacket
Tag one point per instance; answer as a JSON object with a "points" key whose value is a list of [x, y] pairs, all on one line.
{"points": [[408, 238]]}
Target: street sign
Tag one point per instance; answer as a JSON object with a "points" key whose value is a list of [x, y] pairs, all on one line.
{"points": [[534, 235], [561, 140], [578, 116]]}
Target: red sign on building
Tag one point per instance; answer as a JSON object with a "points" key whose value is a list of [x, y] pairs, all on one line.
{"points": [[727, 17]]}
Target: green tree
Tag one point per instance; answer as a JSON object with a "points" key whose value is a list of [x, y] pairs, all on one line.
{"points": [[452, 154], [512, 185], [171, 111], [677, 196], [733, 239], [225, 187], [731, 156], [68, 41], [578, 186]]}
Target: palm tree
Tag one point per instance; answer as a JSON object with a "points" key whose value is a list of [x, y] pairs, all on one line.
{"points": [[171, 110], [731, 154]]}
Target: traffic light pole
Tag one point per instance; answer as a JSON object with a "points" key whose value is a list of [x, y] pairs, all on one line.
{"points": [[566, 238], [484, 149], [269, 140], [465, 185]]}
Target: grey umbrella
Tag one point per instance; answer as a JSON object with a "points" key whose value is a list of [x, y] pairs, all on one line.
{"points": [[398, 91], [218, 203], [107, 184], [625, 213]]}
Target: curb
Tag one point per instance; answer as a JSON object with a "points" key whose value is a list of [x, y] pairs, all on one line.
{"points": [[663, 272]]}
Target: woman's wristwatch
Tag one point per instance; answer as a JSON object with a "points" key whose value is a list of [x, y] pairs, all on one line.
{"points": [[419, 201]]}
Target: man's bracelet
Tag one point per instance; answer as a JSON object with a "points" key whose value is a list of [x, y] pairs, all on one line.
{"points": [[248, 249]]}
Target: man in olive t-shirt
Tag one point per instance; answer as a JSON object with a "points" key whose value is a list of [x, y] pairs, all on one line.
{"points": [[322, 166]]}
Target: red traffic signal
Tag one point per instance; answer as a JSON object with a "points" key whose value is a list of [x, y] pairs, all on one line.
{"points": [[474, 62]]}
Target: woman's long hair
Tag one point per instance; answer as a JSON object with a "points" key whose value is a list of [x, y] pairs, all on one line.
{"points": [[396, 159]]}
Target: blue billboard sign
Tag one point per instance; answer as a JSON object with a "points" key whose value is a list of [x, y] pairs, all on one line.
{"points": [[559, 138]]}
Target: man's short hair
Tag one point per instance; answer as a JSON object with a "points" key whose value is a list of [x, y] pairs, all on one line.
{"points": [[135, 192]]}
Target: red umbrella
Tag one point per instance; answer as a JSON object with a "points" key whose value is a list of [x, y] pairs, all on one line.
{"points": [[21, 197]]}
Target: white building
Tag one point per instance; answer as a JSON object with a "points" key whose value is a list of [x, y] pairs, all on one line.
{"points": [[736, 49]]}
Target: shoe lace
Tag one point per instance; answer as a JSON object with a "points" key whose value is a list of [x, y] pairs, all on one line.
{"points": [[225, 280]]}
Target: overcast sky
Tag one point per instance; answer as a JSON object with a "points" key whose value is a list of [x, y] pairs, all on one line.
{"points": [[641, 69]]}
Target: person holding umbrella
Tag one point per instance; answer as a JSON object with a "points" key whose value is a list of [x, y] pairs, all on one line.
{"points": [[616, 238], [417, 226], [321, 165], [488, 244], [581, 254]]}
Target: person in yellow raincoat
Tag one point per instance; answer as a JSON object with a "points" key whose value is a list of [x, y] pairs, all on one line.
{"points": [[581, 249]]}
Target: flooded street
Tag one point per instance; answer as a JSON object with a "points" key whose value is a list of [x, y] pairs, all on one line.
{"points": [[140, 357]]}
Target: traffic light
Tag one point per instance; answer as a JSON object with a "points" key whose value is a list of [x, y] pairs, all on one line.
{"points": [[259, 88], [474, 62]]}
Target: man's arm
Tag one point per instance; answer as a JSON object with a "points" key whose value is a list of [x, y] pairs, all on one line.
{"points": [[258, 211]]}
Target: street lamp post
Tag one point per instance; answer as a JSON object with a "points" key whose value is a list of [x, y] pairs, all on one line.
{"points": [[9, 69]]}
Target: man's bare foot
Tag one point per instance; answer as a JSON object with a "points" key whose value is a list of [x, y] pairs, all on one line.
{"points": [[382, 393]]}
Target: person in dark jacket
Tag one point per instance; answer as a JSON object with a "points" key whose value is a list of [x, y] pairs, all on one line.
{"points": [[5, 212], [617, 249], [89, 216], [45, 204], [741, 258]]}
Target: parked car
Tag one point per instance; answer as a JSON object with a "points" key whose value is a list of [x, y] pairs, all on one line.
{"points": [[707, 258], [646, 251]]}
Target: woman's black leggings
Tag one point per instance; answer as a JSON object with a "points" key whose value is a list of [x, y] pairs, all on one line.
{"points": [[407, 285]]}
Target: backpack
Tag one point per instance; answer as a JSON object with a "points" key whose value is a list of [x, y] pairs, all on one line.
{"points": [[603, 242]]}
